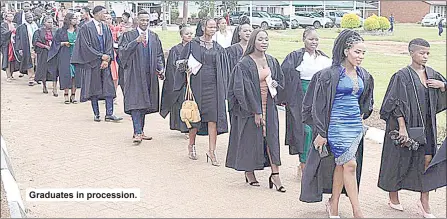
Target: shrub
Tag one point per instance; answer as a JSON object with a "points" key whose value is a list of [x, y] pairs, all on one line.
{"points": [[174, 15], [372, 23], [384, 23], [193, 15], [350, 21]]}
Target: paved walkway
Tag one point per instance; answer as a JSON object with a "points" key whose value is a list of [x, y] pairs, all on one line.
{"points": [[53, 145]]}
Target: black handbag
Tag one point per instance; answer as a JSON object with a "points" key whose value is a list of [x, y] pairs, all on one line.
{"points": [[417, 133]]}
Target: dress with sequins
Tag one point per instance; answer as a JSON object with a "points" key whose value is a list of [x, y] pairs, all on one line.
{"points": [[345, 126]]}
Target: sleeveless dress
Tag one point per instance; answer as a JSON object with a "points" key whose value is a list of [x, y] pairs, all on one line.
{"points": [[209, 84], [263, 74], [345, 127]]}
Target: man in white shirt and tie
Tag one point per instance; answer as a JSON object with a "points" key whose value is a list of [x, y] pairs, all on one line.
{"points": [[142, 58], [91, 57]]}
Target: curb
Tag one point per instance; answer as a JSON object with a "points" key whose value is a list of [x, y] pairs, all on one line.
{"points": [[15, 203]]}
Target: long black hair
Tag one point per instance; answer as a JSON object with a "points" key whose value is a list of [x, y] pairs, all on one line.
{"points": [[345, 40], [67, 21], [252, 41], [236, 38]]}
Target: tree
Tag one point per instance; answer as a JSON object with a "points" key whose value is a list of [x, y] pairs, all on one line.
{"points": [[229, 5], [185, 12]]}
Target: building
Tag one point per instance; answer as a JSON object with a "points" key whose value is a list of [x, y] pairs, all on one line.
{"points": [[411, 11]]}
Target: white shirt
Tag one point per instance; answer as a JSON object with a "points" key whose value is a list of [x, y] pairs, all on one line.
{"points": [[31, 28], [98, 26], [223, 40], [312, 64], [140, 31]]}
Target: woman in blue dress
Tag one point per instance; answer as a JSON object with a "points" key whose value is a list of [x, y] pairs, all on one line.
{"points": [[341, 98]]}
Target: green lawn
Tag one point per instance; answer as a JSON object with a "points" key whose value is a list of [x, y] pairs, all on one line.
{"points": [[385, 54]]}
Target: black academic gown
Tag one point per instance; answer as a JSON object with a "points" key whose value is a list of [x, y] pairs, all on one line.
{"points": [[246, 149], [294, 95], [401, 168], [435, 175], [222, 69], [141, 91], [42, 64], [60, 55], [234, 53], [318, 174], [5, 40], [18, 18], [22, 43], [95, 82], [171, 101]]}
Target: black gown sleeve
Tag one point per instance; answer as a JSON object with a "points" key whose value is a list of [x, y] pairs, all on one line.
{"points": [[320, 106], [244, 90], [395, 103]]}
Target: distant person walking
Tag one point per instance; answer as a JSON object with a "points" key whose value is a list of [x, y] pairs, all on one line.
{"points": [[391, 23], [440, 28]]}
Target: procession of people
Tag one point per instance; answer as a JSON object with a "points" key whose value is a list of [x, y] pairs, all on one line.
{"points": [[227, 82]]}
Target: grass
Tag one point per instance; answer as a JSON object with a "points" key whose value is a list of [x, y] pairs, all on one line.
{"points": [[385, 54]]}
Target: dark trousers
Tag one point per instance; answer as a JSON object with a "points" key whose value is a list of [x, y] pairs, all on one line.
{"points": [[391, 27], [109, 106], [138, 117]]}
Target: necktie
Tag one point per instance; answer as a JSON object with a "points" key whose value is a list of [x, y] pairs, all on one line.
{"points": [[99, 29]]}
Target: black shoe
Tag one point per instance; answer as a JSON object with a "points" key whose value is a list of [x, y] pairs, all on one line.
{"points": [[112, 118], [97, 119], [39, 82], [280, 188], [30, 83]]}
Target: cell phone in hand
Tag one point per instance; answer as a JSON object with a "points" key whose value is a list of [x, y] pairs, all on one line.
{"points": [[324, 152]]}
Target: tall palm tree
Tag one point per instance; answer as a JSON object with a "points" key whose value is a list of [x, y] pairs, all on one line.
{"points": [[185, 12]]}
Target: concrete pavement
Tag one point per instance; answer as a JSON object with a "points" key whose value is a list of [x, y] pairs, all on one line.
{"points": [[54, 145]]}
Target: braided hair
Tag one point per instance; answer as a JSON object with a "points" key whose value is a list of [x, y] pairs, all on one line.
{"points": [[307, 31], [345, 40]]}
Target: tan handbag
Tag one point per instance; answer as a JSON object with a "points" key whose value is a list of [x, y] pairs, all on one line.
{"points": [[189, 113]]}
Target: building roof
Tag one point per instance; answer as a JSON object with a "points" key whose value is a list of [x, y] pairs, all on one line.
{"points": [[332, 4], [436, 2]]}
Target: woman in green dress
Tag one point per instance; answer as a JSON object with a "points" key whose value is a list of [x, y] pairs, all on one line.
{"points": [[299, 67], [61, 51]]}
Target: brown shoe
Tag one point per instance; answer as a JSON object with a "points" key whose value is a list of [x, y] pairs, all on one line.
{"points": [[137, 139], [144, 137]]}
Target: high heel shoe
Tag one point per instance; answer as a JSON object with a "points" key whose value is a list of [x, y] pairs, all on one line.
{"points": [[45, 90], [55, 93], [395, 206], [422, 211], [280, 189], [213, 162], [254, 183], [328, 209], [193, 153], [73, 99], [67, 101]]}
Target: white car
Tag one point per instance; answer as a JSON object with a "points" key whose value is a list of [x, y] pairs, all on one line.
{"points": [[430, 19], [306, 18], [264, 20]]}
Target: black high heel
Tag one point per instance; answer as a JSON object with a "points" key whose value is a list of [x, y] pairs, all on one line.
{"points": [[73, 99], [255, 183], [280, 189], [67, 101]]}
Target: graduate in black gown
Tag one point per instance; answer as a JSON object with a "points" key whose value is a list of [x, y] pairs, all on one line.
{"points": [[238, 44], [9, 63], [23, 44], [299, 66], [143, 60], [61, 52], [209, 86], [415, 94], [92, 54], [42, 40], [19, 17], [341, 97], [171, 101], [252, 98]]}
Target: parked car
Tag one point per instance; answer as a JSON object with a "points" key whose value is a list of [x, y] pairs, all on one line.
{"points": [[234, 17], [430, 19], [308, 18], [286, 21], [337, 16], [264, 20]]}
